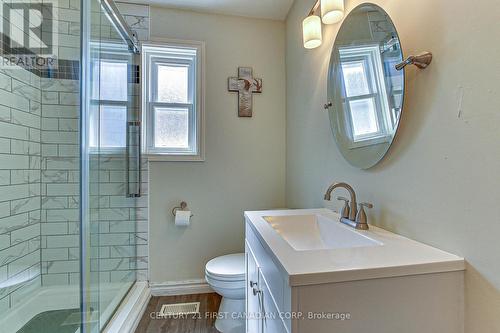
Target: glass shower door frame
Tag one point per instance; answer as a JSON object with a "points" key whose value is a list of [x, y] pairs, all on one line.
{"points": [[96, 311], [85, 91]]}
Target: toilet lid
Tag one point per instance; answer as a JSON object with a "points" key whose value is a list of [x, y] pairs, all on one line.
{"points": [[229, 266]]}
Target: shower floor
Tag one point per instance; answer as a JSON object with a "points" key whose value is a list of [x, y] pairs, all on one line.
{"points": [[60, 321], [55, 309]]}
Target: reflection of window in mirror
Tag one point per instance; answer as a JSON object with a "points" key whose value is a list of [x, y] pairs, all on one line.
{"points": [[394, 83], [369, 119]]}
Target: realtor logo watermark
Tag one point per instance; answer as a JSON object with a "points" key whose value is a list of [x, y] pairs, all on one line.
{"points": [[28, 30]]}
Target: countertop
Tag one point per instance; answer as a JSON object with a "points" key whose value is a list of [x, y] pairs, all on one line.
{"points": [[398, 256]]}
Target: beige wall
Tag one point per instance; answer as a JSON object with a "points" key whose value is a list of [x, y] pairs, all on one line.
{"points": [[245, 158], [441, 183]]}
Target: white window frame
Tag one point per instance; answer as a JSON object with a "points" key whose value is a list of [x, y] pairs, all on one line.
{"points": [[370, 54], [112, 53], [169, 51]]}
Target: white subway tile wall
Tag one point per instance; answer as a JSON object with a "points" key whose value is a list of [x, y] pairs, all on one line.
{"points": [[20, 178], [60, 182], [60, 240]]}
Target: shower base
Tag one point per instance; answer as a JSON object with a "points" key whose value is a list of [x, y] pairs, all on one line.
{"points": [[52, 300], [60, 321]]}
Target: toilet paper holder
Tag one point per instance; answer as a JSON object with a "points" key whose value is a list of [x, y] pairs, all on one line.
{"points": [[183, 206]]}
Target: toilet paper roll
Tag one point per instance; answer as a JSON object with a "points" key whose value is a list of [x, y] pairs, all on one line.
{"points": [[182, 218]]}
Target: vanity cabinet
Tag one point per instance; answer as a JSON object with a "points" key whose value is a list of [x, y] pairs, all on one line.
{"points": [[417, 303], [263, 315], [266, 290]]}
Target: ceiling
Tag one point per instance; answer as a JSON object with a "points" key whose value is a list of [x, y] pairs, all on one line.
{"points": [[268, 9]]}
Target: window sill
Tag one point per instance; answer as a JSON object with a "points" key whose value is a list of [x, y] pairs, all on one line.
{"points": [[174, 158], [113, 152], [371, 142]]}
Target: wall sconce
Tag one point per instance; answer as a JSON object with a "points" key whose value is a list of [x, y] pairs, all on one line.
{"points": [[312, 32], [332, 11]]}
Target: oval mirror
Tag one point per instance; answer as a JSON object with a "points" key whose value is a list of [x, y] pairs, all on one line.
{"points": [[365, 91]]}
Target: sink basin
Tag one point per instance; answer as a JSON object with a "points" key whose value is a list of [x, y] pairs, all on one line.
{"points": [[317, 232]]}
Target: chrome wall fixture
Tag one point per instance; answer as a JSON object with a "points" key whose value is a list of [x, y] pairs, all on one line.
{"points": [[332, 11], [422, 61], [133, 174]]}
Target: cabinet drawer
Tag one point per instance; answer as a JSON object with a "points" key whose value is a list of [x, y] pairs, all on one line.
{"points": [[270, 270]]}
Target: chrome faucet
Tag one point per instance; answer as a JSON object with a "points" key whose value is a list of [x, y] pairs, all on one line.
{"points": [[350, 214]]}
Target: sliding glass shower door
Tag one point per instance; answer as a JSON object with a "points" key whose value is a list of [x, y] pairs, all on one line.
{"points": [[69, 165], [111, 158]]}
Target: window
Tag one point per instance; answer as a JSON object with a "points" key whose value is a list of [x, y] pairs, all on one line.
{"points": [[368, 117], [109, 102], [173, 101]]}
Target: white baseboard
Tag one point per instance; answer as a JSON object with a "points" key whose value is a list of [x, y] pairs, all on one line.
{"points": [[180, 288], [130, 312]]}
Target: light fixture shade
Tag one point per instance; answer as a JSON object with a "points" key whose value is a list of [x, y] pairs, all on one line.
{"points": [[332, 11], [311, 27]]}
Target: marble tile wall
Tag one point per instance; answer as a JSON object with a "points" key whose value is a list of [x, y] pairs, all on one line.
{"points": [[68, 19], [137, 17], [119, 228], [20, 177], [60, 182], [20, 158], [60, 159]]}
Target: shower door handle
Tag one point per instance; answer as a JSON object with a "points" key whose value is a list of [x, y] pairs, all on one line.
{"points": [[133, 152]]}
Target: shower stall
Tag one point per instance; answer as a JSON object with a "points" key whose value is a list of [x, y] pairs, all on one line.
{"points": [[70, 165]]}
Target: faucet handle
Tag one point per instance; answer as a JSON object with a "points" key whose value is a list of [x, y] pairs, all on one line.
{"points": [[346, 209], [365, 204], [361, 219]]}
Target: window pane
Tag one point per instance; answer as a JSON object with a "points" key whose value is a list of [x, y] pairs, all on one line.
{"points": [[171, 128], [355, 78], [364, 117], [113, 126], [112, 83], [94, 125], [173, 82]]}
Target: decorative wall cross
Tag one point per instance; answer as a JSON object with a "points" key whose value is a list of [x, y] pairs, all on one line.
{"points": [[245, 85]]}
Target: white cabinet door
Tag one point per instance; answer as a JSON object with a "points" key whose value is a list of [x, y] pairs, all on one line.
{"points": [[271, 320], [253, 307]]}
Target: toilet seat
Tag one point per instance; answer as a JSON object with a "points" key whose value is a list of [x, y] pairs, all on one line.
{"points": [[226, 268]]}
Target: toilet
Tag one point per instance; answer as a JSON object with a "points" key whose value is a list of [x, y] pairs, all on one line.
{"points": [[226, 276]]}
